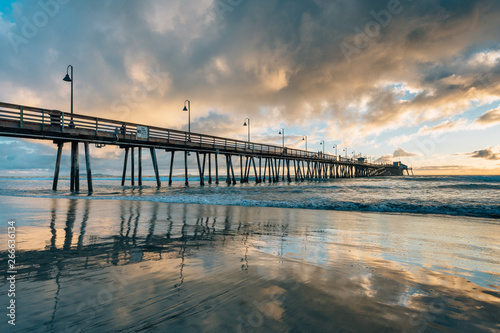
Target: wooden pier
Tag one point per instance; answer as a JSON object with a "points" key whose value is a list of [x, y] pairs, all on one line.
{"points": [[262, 162]]}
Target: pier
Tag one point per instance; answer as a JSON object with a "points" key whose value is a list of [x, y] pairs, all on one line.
{"points": [[261, 162]]}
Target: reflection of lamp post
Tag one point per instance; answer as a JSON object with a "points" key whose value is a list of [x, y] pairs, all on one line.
{"points": [[322, 142], [67, 78], [305, 138], [282, 133], [248, 125], [188, 109]]}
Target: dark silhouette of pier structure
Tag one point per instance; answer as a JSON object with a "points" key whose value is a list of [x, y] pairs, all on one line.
{"points": [[262, 162]]}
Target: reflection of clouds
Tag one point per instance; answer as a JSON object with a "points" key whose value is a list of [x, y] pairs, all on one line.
{"points": [[298, 266]]}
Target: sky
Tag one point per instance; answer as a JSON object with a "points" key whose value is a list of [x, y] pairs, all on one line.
{"points": [[411, 81]]}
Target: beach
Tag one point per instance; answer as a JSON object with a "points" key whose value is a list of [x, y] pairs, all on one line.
{"points": [[107, 265]]}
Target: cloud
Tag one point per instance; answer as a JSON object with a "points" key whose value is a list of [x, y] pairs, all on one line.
{"points": [[384, 159], [487, 154], [489, 118], [402, 153], [280, 64], [263, 56]]}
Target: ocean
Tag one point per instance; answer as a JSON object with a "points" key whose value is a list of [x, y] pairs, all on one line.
{"points": [[477, 196], [395, 254]]}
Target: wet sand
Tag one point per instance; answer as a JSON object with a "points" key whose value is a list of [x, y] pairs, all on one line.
{"points": [[109, 265]]}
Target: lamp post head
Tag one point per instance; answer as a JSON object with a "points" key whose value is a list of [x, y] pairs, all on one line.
{"points": [[245, 124], [185, 108], [67, 78], [279, 132]]}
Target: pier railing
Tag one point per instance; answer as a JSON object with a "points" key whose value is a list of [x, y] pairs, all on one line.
{"points": [[55, 121]]}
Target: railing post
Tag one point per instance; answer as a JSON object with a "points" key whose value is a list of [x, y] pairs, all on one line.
{"points": [[96, 125], [43, 119], [168, 136], [62, 122], [21, 119]]}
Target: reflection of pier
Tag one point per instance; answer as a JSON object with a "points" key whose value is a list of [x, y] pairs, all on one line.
{"points": [[175, 240], [260, 161]]}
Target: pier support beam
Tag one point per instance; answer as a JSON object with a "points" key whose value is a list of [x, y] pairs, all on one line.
{"points": [[260, 169], [125, 159], [209, 168], [139, 161], [171, 168], [200, 169], [89, 170], [232, 169], [228, 178], [155, 166], [241, 169], [288, 171], [75, 168], [132, 166], [255, 171], [58, 164], [264, 174], [186, 181], [216, 168]]}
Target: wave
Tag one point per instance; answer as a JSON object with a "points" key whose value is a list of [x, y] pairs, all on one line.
{"points": [[470, 186], [385, 206], [459, 179]]}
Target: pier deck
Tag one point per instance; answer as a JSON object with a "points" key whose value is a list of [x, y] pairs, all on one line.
{"points": [[280, 162]]}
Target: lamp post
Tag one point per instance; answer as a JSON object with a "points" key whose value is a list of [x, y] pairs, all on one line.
{"points": [[305, 138], [353, 154], [345, 149], [247, 124], [335, 149], [322, 142], [67, 78], [282, 133], [187, 107]]}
